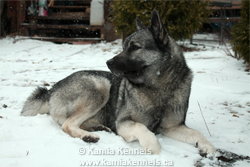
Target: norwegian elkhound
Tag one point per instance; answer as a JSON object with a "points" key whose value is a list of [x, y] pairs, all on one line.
{"points": [[147, 93]]}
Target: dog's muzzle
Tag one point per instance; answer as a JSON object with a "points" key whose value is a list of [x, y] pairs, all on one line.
{"points": [[110, 62], [112, 66], [130, 70]]}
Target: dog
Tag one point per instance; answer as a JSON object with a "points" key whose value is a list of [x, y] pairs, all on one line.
{"points": [[146, 93]]}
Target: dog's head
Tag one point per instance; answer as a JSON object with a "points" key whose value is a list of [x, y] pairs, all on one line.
{"points": [[144, 52]]}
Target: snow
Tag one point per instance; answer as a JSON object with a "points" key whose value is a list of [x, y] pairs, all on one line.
{"points": [[220, 86]]}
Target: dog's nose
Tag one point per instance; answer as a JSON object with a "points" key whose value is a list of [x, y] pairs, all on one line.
{"points": [[110, 62]]}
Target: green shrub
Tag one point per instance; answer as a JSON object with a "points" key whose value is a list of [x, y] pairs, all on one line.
{"points": [[181, 18], [240, 33]]}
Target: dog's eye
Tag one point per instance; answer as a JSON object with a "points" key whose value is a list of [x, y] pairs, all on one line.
{"points": [[134, 47]]}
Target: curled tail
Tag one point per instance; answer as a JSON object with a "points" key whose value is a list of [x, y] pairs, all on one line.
{"points": [[37, 103]]}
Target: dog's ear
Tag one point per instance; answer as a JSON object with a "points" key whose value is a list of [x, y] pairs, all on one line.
{"points": [[157, 28], [139, 24]]}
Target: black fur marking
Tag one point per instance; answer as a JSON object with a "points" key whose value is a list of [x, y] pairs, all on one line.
{"points": [[41, 93], [157, 115]]}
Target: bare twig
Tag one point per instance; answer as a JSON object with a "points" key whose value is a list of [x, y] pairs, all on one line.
{"points": [[204, 119], [227, 50]]}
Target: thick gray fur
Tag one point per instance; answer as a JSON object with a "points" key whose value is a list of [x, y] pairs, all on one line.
{"points": [[147, 93]]}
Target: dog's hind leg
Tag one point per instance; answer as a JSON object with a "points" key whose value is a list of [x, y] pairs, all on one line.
{"points": [[184, 134], [132, 131], [72, 125], [84, 108]]}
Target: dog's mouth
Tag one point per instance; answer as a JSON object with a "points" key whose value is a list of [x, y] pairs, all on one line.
{"points": [[135, 73]]}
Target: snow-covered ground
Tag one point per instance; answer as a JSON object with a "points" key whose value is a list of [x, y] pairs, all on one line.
{"points": [[221, 86]]}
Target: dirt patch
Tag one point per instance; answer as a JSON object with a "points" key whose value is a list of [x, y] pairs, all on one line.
{"points": [[224, 159]]}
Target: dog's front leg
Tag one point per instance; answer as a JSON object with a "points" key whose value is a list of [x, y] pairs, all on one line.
{"points": [[132, 131], [184, 134]]}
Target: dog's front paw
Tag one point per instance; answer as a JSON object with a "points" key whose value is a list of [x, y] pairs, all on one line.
{"points": [[206, 148], [151, 144], [102, 128]]}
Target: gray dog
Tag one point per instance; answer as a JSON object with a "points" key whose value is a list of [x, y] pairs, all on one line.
{"points": [[147, 93]]}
